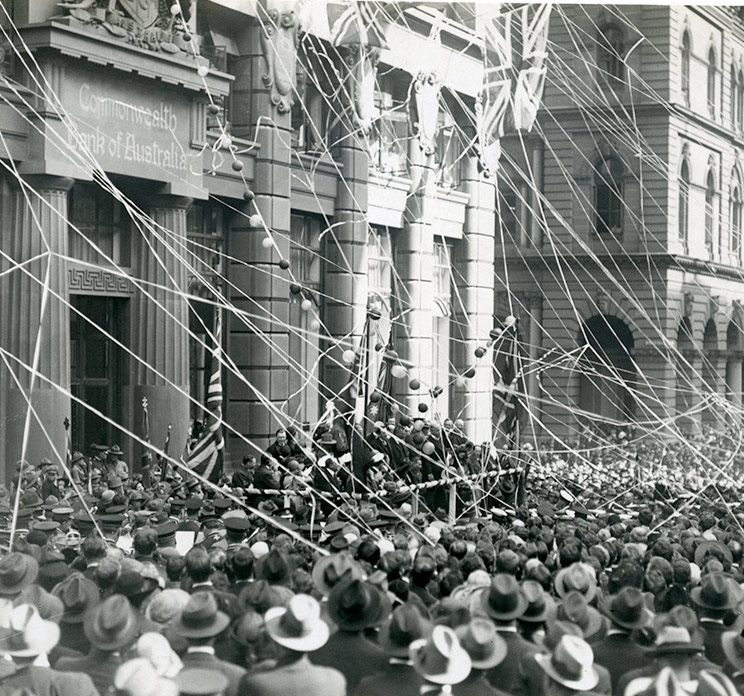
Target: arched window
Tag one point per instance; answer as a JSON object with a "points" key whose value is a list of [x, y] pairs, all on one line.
{"points": [[685, 67], [684, 204], [608, 196], [710, 205], [610, 53], [736, 218], [712, 78]]}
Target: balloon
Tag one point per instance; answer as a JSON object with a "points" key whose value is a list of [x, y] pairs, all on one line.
{"points": [[267, 242], [460, 382], [405, 421], [374, 397], [306, 305], [213, 109], [237, 166], [226, 142], [255, 221], [314, 325], [399, 371], [470, 373], [378, 347], [417, 438], [480, 352], [374, 313], [248, 196], [175, 9], [418, 425], [202, 71], [295, 289], [494, 333], [348, 356], [414, 384], [284, 264], [423, 408], [510, 320], [436, 391], [187, 38], [391, 355], [428, 448], [394, 408]]}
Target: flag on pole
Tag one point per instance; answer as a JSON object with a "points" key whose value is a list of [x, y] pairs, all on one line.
{"points": [[506, 406], [379, 406], [205, 457]]}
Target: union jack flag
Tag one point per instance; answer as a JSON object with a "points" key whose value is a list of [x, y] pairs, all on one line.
{"points": [[205, 457], [358, 22]]}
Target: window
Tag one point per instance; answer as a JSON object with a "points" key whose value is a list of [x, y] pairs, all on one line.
{"points": [[684, 204], [712, 78], [710, 202], [611, 50], [380, 289], [734, 98], [97, 220], [441, 330], [205, 231], [608, 196], [740, 100], [685, 68], [736, 219], [310, 113]]}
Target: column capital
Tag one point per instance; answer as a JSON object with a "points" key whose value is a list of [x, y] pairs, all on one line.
{"points": [[44, 182]]}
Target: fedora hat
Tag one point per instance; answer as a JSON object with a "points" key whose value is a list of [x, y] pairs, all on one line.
{"points": [[200, 618], [627, 609], [78, 594], [733, 647], [50, 608], [575, 608], [354, 605], [570, 664], [504, 599], [17, 572], [327, 439], [714, 548], [554, 632], [23, 633], [481, 641], [330, 570], [714, 593], [406, 625], [297, 626], [579, 577], [440, 659], [538, 602], [112, 624], [675, 640]]}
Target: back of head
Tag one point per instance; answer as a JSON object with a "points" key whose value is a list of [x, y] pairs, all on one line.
{"points": [[145, 541], [198, 566], [93, 548]]}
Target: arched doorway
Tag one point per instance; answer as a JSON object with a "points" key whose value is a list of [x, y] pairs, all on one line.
{"points": [[685, 387], [734, 363], [710, 371], [608, 370]]}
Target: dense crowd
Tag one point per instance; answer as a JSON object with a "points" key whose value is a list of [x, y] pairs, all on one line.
{"points": [[576, 569]]}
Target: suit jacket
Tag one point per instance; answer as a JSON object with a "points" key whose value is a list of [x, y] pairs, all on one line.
{"points": [[43, 681], [98, 665], [713, 633], [352, 655], [476, 684], [202, 660], [535, 678], [619, 653], [699, 662], [297, 678], [509, 675], [397, 679]]}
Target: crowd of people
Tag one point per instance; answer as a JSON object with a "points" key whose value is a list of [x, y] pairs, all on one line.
{"points": [[564, 568]]}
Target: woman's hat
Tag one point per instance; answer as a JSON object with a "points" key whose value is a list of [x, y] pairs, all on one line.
{"points": [[17, 572], [354, 605], [504, 599], [23, 633], [200, 618], [330, 570], [570, 664], [406, 625], [440, 659], [112, 625], [481, 641], [297, 626], [628, 609], [579, 577], [78, 594]]}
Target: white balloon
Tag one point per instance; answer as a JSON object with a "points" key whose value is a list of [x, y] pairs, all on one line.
{"points": [[399, 371], [202, 71], [348, 356], [314, 325], [307, 305], [255, 221], [267, 242], [510, 320]]}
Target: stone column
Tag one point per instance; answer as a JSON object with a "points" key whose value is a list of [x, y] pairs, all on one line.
{"points": [[160, 321], [734, 383], [475, 275], [34, 233], [534, 348], [259, 345]]}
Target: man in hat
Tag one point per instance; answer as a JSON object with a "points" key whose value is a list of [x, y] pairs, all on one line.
{"points": [[354, 606], [396, 635], [618, 651], [296, 630], [714, 597], [486, 649], [570, 667], [440, 660], [199, 624], [25, 641], [193, 506], [111, 627], [50, 486], [505, 603], [115, 463], [17, 572]]}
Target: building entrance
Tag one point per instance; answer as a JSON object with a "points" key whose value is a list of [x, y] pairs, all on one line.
{"points": [[97, 366]]}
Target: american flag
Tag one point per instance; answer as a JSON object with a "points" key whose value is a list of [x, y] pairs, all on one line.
{"points": [[205, 457]]}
